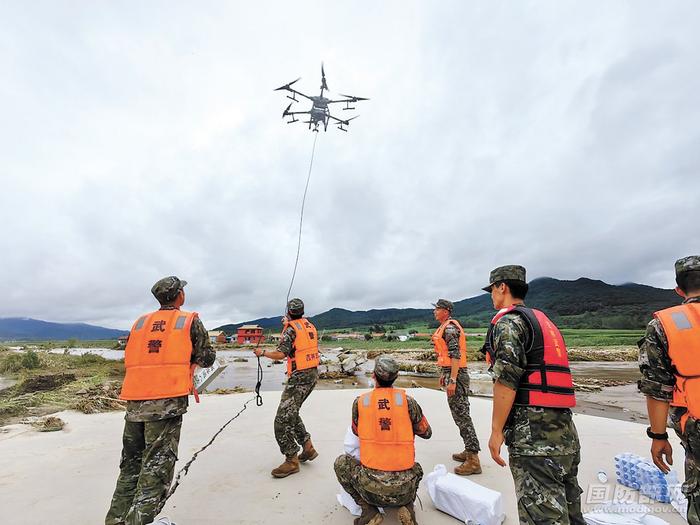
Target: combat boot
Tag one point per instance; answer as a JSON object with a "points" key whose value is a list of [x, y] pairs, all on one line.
{"points": [[407, 515], [309, 453], [290, 466], [460, 456], [471, 465], [370, 515]]}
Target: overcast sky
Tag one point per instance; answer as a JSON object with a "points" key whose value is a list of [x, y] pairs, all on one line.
{"points": [[143, 139]]}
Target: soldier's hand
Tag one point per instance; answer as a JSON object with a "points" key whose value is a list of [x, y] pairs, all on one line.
{"points": [[495, 444], [258, 351], [661, 448], [451, 389]]}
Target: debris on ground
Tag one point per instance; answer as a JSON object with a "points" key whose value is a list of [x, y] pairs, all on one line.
{"points": [[430, 355], [240, 360], [350, 362], [277, 362], [234, 390], [49, 424], [590, 384], [608, 353], [373, 354], [334, 374], [41, 383], [419, 368], [99, 398]]}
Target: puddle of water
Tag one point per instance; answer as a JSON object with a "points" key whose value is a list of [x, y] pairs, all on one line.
{"points": [[107, 353]]}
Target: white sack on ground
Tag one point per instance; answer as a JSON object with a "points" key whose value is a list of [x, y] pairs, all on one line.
{"points": [[463, 499]]}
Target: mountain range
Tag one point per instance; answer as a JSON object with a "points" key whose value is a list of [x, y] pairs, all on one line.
{"points": [[25, 329], [582, 303]]}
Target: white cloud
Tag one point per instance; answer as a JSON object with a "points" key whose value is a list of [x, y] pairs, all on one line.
{"points": [[141, 140]]}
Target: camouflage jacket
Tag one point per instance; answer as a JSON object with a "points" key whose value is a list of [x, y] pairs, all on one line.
{"points": [[529, 431], [154, 410], [451, 337], [658, 380]]}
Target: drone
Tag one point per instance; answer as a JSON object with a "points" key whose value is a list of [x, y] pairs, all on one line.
{"points": [[319, 112]]}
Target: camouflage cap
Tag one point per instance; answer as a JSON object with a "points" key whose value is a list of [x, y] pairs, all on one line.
{"points": [[444, 303], [385, 368], [688, 264], [167, 288], [295, 306], [510, 272]]}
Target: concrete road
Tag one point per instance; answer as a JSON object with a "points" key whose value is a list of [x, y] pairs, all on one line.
{"points": [[68, 477]]}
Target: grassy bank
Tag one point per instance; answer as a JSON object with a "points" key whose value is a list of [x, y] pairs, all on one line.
{"points": [[51, 382]]}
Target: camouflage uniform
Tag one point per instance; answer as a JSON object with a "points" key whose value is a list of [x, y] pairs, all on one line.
{"points": [[658, 382], [150, 442], [543, 444], [459, 402], [290, 431], [377, 487]]}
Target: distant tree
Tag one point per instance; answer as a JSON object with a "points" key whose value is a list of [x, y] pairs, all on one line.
{"points": [[433, 324], [326, 338], [368, 337], [72, 343]]}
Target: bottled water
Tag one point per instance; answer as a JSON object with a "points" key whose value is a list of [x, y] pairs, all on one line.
{"points": [[641, 474]]}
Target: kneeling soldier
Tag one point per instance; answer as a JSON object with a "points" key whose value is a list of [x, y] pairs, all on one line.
{"points": [[387, 475]]}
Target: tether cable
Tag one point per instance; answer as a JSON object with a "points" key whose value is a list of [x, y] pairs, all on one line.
{"points": [[257, 398], [301, 220]]}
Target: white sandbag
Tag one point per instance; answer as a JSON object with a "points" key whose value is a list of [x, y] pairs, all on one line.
{"points": [[351, 443], [463, 499]]}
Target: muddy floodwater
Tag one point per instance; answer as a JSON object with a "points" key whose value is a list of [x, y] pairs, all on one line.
{"points": [[605, 388]]}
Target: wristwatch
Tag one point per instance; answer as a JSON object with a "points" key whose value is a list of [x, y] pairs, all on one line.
{"points": [[452, 381], [653, 435]]}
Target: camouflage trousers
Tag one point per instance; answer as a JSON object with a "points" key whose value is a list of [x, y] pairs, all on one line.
{"points": [[376, 487], [547, 489], [691, 486], [147, 465], [459, 406], [290, 431]]}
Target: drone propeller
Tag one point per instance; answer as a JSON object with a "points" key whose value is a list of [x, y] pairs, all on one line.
{"points": [[286, 86], [286, 111], [352, 98], [324, 85]]}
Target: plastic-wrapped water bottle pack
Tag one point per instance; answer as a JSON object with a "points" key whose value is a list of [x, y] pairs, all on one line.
{"points": [[641, 474]]}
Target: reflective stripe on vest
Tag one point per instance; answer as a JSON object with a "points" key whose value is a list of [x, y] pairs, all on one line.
{"points": [[547, 381], [385, 430], [157, 356], [440, 345], [306, 353], [681, 325]]}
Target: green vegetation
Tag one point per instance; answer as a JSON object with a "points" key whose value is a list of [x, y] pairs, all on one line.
{"points": [[54, 382]]}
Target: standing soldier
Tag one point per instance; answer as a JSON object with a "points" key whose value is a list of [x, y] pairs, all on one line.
{"points": [[532, 396], [451, 346], [668, 359], [387, 475], [299, 346], [160, 355]]}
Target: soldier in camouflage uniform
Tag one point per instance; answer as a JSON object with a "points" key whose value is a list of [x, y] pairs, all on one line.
{"points": [[658, 383], [456, 381], [290, 432], [371, 488], [543, 443], [152, 431]]}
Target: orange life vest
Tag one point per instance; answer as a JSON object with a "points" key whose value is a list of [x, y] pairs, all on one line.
{"points": [[441, 345], [385, 430], [682, 328], [306, 353], [157, 356], [547, 381]]}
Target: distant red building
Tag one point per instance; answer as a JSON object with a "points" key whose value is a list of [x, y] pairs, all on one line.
{"points": [[250, 334]]}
